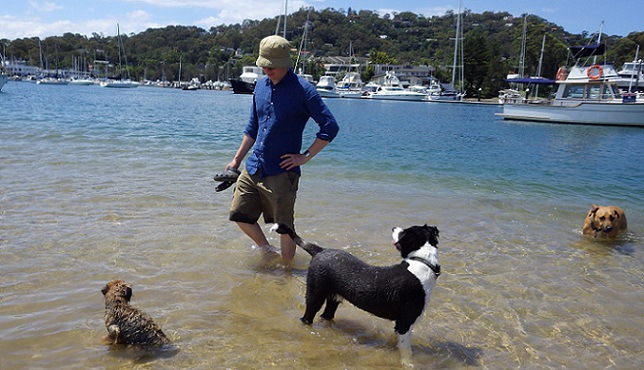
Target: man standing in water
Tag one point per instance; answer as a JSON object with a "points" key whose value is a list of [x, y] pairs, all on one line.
{"points": [[282, 104]]}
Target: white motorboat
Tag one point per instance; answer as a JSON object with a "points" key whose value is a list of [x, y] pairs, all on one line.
{"points": [[351, 86], [245, 84], [81, 81], [124, 84], [52, 81], [436, 92], [392, 90], [631, 76], [385, 92], [326, 87], [588, 95]]}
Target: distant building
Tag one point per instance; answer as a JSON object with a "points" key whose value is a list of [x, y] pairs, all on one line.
{"points": [[19, 68]]}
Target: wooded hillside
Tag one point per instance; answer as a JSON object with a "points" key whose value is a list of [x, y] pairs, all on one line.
{"points": [[491, 44]]}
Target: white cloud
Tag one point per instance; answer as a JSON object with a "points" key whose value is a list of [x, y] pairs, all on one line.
{"points": [[45, 6]]}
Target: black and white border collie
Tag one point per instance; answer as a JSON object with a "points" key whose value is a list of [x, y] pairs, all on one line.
{"points": [[398, 293]]}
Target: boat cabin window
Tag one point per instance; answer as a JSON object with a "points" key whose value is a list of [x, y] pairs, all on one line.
{"points": [[604, 91], [573, 92]]}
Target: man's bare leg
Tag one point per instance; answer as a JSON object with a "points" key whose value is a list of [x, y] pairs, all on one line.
{"points": [[255, 232], [288, 247]]}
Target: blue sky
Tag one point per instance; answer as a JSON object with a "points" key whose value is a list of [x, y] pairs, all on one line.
{"points": [[42, 18]]}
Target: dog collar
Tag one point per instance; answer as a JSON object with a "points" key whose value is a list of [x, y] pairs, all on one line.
{"points": [[436, 269]]}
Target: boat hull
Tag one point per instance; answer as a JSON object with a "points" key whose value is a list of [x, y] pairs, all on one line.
{"points": [[241, 87], [120, 84], [351, 94], [403, 97], [444, 97], [611, 114], [3, 80], [328, 93]]}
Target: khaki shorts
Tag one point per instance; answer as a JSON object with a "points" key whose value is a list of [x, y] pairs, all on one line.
{"points": [[274, 196]]}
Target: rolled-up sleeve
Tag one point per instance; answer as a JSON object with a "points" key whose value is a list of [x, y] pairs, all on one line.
{"points": [[253, 122], [323, 117]]}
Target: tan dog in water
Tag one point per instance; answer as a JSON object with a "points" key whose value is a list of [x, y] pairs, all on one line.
{"points": [[126, 324], [604, 221]]}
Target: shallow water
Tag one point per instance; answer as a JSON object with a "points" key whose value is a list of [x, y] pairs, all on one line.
{"points": [[100, 184]]}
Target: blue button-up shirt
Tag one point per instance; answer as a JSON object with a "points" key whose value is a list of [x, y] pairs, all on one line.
{"points": [[277, 119]]}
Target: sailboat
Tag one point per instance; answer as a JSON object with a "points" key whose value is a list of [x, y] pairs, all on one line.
{"points": [[444, 92], [351, 84], [121, 83], [53, 80], [303, 53]]}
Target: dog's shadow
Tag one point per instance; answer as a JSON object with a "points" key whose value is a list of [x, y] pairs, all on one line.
{"points": [[625, 243], [142, 355], [438, 354], [446, 353]]}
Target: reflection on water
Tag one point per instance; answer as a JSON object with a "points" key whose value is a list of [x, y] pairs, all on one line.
{"points": [[521, 287]]}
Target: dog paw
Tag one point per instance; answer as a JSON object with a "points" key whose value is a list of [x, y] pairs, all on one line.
{"points": [[306, 321]]}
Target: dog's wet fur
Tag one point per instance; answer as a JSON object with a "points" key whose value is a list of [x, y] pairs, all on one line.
{"points": [[126, 324], [399, 293], [604, 221]]}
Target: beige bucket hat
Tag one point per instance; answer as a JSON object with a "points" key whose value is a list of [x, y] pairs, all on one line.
{"points": [[274, 52]]}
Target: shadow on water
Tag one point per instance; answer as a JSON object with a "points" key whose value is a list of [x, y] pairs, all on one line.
{"points": [[451, 352], [443, 353], [142, 354], [626, 243]]}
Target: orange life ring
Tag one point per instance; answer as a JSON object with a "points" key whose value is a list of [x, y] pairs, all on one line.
{"points": [[593, 76]]}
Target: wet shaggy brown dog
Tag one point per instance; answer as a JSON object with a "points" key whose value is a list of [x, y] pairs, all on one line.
{"points": [[604, 221], [126, 324]]}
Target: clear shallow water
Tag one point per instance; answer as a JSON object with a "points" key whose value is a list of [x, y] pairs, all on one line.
{"points": [[100, 184]]}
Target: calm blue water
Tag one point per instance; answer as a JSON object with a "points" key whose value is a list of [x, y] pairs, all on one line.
{"points": [[101, 183]]}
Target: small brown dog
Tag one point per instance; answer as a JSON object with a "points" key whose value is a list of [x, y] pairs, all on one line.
{"points": [[604, 221], [126, 324]]}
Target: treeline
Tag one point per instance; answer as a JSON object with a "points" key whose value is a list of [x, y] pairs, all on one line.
{"points": [[491, 44]]}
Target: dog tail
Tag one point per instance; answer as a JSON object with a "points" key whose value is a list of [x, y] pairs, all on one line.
{"points": [[310, 248]]}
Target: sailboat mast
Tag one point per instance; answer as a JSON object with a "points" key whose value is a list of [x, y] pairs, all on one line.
{"points": [[523, 42], [630, 83], [279, 17], [599, 39], [458, 30], [543, 46], [303, 44], [285, 11]]}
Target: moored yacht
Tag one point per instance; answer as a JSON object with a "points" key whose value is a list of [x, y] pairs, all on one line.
{"points": [[245, 84], [631, 76], [326, 87], [391, 90], [588, 95]]}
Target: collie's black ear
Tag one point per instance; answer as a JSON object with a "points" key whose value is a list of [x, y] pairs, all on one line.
{"points": [[433, 234]]}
